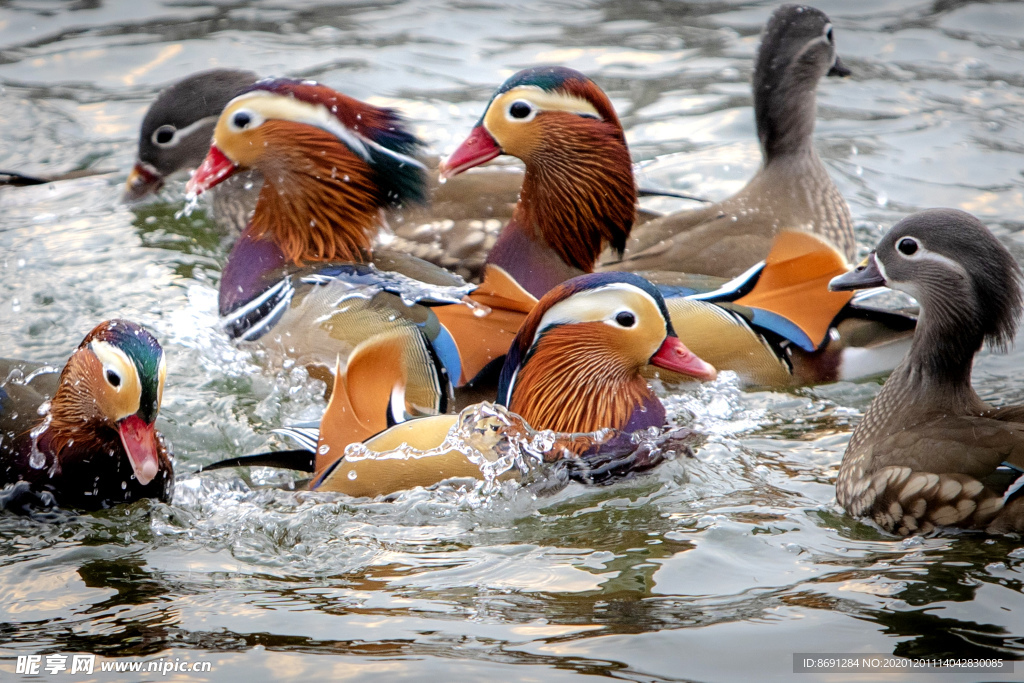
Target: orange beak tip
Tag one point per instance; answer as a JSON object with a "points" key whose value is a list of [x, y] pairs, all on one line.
{"points": [[139, 441], [673, 355]]}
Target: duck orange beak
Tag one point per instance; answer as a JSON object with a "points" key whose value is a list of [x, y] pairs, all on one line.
{"points": [[673, 355], [139, 440], [214, 170], [142, 180], [478, 148]]}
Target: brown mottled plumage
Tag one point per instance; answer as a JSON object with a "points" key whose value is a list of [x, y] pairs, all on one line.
{"points": [[927, 452]]}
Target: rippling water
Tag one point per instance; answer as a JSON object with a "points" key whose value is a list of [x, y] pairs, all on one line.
{"points": [[714, 568]]}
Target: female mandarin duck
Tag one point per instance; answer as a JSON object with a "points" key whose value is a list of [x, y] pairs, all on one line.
{"points": [[929, 450], [89, 438], [776, 325], [303, 265], [791, 191], [574, 367]]}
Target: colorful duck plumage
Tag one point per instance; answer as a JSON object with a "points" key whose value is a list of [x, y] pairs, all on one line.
{"points": [[756, 326], [89, 438], [305, 267], [791, 191], [929, 451], [574, 367]]}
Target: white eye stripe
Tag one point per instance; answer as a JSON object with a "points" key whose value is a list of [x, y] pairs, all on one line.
{"points": [[543, 100], [182, 133], [245, 119], [600, 304], [115, 361], [268, 105]]}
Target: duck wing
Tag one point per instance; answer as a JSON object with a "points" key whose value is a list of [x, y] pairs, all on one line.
{"points": [[932, 474]]}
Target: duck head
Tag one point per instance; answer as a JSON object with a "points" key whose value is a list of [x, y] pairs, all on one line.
{"points": [[968, 285], [576, 364], [797, 50], [330, 164], [178, 125], [113, 381], [578, 192]]}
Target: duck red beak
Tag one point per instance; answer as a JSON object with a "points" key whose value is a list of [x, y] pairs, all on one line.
{"points": [[673, 355], [139, 440], [215, 169], [142, 180], [478, 148]]}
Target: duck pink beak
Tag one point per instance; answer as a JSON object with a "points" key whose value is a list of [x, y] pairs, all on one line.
{"points": [[139, 440], [673, 355], [478, 148], [215, 169]]}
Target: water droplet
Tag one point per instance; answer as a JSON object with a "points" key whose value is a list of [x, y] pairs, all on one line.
{"points": [[352, 475], [324, 449]]}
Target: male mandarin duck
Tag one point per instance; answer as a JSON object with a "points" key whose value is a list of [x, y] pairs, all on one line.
{"points": [[175, 136], [929, 451], [303, 266], [791, 191], [777, 324], [574, 368], [88, 437]]}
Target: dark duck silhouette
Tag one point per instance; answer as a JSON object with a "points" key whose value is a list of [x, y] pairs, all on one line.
{"points": [[87, 437], [929, 451]]}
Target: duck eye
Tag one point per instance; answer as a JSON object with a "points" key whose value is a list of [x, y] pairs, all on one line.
{"points": [[520, 109], [907, 246], [626, 319], [164, 135], [828, 34], [241, 120], [113, 378]]}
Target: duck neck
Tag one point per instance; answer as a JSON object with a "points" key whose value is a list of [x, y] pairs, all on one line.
{"points": [[319, 202], [571, 383], [249, 270], [934, 379], [785, 114], [529, 259], [578, 195]]}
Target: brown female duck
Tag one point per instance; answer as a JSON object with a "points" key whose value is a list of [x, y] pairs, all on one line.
{"points": [[929, 451], [89, 438], [791, 191]]}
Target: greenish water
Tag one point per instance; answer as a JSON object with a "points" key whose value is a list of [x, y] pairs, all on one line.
{"points": [[712, 569]]}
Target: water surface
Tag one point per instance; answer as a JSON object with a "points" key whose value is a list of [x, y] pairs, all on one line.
{"points": [[716, 568]]}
